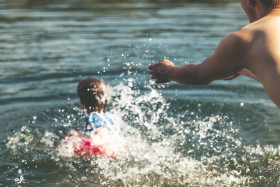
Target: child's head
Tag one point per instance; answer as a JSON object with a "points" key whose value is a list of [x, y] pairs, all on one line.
{"points": [[91, 92]]}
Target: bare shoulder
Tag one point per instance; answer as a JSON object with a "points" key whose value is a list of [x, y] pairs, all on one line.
{"points": [[235, 39], [234, 45]]}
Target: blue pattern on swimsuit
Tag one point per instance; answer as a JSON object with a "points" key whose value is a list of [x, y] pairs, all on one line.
{"points": [[96, 120]]}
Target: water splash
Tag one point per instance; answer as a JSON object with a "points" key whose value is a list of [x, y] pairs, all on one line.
{"points": [[154, 147]]}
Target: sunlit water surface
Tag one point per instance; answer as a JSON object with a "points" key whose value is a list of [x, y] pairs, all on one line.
{"points": [[224, 134]]}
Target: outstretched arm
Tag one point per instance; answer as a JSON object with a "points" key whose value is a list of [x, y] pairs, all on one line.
{"points": [[228, 59]]}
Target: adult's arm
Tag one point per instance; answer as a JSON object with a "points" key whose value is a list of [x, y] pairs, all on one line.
{"points": [[228, 59]]}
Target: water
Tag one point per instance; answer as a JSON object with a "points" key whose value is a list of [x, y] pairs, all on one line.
{"points": [[224, 134]]}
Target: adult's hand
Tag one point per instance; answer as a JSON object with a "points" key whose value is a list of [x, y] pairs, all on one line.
{"points": [[161, 71]]}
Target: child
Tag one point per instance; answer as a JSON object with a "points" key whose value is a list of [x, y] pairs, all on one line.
{"points": [[93, 99]]}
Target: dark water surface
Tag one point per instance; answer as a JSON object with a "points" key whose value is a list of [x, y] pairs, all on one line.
{"points": [[224, 134]]}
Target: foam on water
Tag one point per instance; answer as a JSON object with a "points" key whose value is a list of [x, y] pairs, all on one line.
{"points": [[153, 147]]}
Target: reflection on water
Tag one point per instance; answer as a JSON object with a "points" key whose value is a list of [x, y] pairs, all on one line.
{"points": [[224, 134]]}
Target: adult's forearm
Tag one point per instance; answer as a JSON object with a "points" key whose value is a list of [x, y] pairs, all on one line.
{"points": [[188, 74]]}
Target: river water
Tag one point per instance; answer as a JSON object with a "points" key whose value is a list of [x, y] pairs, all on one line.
{"points": [[224, 134]]}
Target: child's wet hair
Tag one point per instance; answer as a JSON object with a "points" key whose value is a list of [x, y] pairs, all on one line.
{"points": [[91, 92]]}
